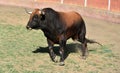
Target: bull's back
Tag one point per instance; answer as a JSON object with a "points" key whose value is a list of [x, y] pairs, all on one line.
{"points": [[70, 18]]}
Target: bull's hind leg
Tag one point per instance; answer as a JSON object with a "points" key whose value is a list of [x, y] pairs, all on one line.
{"points": [[83, 41], [84, 50], [51, 52]]}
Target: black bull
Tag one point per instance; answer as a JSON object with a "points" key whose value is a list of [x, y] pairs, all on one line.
{"points": [[58, 27]]}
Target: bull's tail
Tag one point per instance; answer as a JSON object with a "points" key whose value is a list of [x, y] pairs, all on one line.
{"points": [[92, 41]]}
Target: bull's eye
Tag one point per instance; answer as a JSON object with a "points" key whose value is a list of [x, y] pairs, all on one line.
{"points": [[35, 17]]}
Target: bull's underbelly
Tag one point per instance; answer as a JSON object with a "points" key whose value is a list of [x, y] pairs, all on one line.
{"points": [[56, 38]]}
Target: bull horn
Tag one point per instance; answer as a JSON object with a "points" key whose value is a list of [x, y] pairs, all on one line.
{"points": [[42, 12], [28, 11], [41, 9]]}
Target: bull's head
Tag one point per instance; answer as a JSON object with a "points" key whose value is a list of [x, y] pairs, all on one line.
{"points": [[36, 17]]}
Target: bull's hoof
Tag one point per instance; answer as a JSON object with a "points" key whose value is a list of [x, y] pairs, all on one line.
{"points": [[54, 60], [84, 57], [62, 64]]}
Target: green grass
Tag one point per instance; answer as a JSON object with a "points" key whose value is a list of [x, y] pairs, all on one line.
{"points": [[16, 56]]}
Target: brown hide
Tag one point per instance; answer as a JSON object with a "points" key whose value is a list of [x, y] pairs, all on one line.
{"points": [[70, 18]]}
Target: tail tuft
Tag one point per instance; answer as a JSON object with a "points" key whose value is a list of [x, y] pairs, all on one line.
{"points": [[92, 41]]}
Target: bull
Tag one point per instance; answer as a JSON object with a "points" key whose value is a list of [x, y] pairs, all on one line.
{"points": [[58, 27]]}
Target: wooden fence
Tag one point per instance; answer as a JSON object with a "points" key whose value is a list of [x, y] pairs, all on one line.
{"points": [[111, 5], [105, 9]]}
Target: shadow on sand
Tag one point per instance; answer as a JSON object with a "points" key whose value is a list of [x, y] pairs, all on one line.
{"points": [[70, 48]]}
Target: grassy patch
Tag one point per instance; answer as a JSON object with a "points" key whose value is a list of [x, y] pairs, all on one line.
{"points": [[16, 56]]}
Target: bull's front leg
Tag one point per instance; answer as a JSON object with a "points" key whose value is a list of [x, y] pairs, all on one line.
{"points": [[51, 52], [62, 43]]}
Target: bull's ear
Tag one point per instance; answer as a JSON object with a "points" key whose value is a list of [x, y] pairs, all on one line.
{"points": [[27, 11]]}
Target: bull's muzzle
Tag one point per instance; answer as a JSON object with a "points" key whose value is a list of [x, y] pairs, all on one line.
{"points": [[29, 28]]}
